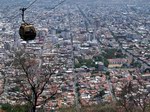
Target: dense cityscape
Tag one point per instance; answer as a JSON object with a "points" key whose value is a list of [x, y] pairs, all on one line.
{"points": [[86, 52]]}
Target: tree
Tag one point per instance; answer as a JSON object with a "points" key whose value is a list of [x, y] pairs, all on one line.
{"points": [[17, 108], [86, 62], [102, 107], [2, 81], [135, 63], [134, 96], [109, 53], [102, 59], [107, 74], [34, 76], [100, 94]]}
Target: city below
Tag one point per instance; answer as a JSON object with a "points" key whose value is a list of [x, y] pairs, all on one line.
{"points": [[86, 53]]}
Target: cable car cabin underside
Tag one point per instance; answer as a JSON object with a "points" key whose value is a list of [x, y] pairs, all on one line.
{"points": [[27, 32]]}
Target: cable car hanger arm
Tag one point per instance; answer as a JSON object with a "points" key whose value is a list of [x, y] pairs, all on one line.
{"points": [[25, 8], [23, 11]]}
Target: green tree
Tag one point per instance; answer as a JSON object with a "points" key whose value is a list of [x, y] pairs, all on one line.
{"points": [[101, 59], [135, 63], [107, 75], [109, 53], [15, 108], [86, 62]]}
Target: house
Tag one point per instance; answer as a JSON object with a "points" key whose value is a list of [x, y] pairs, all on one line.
{"points": [[118, 62]]}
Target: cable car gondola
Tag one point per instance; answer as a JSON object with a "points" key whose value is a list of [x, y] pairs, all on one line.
{"points": [[27, 31]]}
